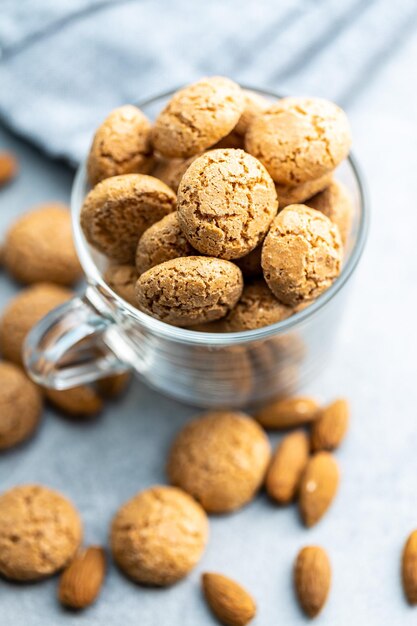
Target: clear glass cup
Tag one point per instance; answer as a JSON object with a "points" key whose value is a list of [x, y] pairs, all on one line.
{"points": [[99, 334]]}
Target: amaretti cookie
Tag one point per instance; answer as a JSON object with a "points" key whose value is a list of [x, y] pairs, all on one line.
{"points": [[80, 401], [226, 202], [23, 312], [118, 211], [162, 242], [122, 279], [298, 194], [170, 171], [301, 255], [189, 290], [299, 139], [197, 117], [220, 458], [40, 532], [158, 536], [20, 405], [336, 203], [254, 104], [39, 247], [250, 264], [121, 145]]}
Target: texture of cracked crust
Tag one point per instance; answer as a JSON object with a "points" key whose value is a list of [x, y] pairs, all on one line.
{"points": [[257, 307], [122, 279], [226, 202], [301, 255], [301, 193], [39, 246], [23, 312], [336, 203], [170, 171], [121, 145], [116, 213], [220, 458], [189, 290], [162, 242], [20, 406], [40, 532], [197, 117], [299, 139], [159, 535]]}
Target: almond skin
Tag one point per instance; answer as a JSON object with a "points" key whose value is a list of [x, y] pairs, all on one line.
{"points": [[329, 429], [81, 582], [312, 578], [409, 568], [288, 413], [318, 487], [230, 603], [287, 466]]}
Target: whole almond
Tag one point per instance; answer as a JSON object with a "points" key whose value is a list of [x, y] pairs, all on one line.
{"points": [[8, 168], [287, 465], [312, 578], [409, 568], [329, 429], [318, 487], [288, 413], [81, 582], [230, 603]]}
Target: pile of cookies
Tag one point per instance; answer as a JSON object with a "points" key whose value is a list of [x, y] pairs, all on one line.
{"points": [[223, 215]]}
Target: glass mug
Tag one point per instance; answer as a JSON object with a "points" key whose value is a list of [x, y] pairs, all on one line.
{"points": [[100, 334]]}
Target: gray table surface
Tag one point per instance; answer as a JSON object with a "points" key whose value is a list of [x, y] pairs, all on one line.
{"points": [[102, 463]]}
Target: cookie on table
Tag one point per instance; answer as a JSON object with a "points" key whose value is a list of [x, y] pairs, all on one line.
{"points": [[118, 211], [162, 242], [299, 139], [189, 290], [20, 406], [121, 145], [336, 203], [226, 202], [80, 401], [23, 312], [197, 117], [301, 255], [158, 536], [122, 280], [39, 247], [220, 458], [40, 532]]}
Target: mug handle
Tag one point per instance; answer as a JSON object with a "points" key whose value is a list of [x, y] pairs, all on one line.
{"points": [[67, 347]]}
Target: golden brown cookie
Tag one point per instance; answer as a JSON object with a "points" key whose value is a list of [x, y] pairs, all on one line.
{"points": [[20, 405], [336, 203], [162, 242], [300, 193], [299, 139], [40, 532], [158, 536], [121, 145], [170, 171], [118, 211], [23, 312], [81, 401], [113, 386], [39, 247], [122, 279], [257, 307], [220, 458], [197, 117], [301, 255], [250, 264], [254, 105], [226, 202], [189, 290]]}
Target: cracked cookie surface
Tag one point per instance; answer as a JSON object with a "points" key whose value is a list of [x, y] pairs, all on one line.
{"points": [[121, 145], [301, 255], [189, 290], [299, 139], [20, 405], [336, 203], [40, 532], [220, 458], [197, 117], [162, 242], [226, 202], [159, 535], [122, 279], [118, 211]]}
